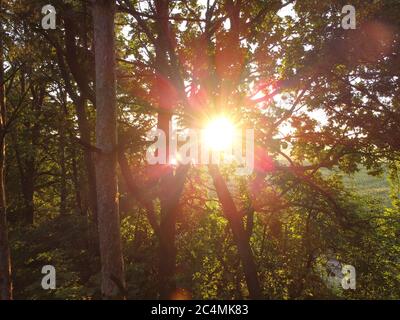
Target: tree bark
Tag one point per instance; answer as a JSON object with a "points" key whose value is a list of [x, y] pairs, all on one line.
{"points": [[112, 266], [240, 235], [168, 206], [5, 260], [169, 203]]}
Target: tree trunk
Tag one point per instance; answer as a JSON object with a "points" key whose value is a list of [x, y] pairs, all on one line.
{"points": [[63, 173], [169, 202], [5, 260], [84, 131], [167, 249], [89, 189], [240, 235], [137, 192], [82, 81], [26, 170], [26, 161], [112, 266], [77, 185]]}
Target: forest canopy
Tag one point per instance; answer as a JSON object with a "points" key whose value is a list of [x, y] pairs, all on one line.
{"points": [[105, 114]]}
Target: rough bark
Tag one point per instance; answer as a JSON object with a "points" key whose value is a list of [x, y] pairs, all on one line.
{"points": [[240, 235], [112, 266]]}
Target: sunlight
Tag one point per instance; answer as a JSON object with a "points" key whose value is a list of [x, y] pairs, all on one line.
{"points": [[219, 134]]}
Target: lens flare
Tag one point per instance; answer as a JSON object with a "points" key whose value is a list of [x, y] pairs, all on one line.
{"points": [[219, 134]]}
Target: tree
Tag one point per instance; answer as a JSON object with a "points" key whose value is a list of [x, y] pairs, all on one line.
{"points": [[324, 103], [112, 266], [5, 260]]}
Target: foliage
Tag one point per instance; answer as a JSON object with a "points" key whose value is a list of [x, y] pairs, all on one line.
{"points": [[326, 132]]}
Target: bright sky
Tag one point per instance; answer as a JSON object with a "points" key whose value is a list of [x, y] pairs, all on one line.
{"points": [[288, 10]]}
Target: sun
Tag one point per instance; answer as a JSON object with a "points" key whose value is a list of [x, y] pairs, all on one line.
{"points": [[219, 133]]}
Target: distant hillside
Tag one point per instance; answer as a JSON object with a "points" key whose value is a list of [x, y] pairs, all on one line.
{"points": [[367, 185]]}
